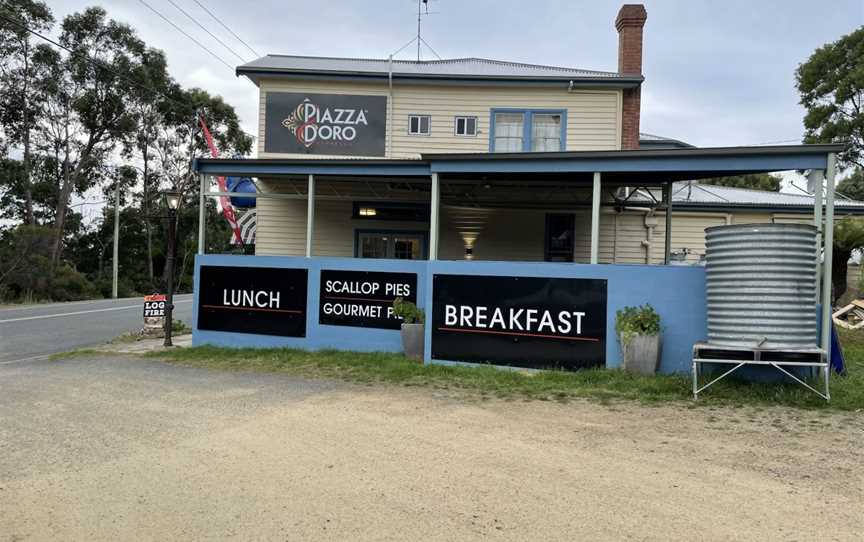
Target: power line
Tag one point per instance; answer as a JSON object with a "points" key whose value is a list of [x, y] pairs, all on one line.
{"points": [[202, 27], [198, 43], [92, 61], [99, 64], [254, 52]]}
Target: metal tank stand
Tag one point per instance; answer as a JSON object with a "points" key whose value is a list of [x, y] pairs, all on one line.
{"points": [[739, 356]]}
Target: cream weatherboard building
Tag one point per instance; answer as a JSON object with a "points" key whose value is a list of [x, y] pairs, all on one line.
{"points": [[465, 105], [315, 108], [386, 175]]}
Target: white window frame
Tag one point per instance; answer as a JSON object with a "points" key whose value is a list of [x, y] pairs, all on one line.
{"points": [[465, 118], [419, 118]]}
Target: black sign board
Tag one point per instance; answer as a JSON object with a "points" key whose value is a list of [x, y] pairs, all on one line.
{"points": [[154, 306], [340, 124], [260, 300], [528, 322], [364, 298]]}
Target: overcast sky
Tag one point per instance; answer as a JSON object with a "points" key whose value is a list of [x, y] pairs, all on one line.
{"points": [[716, 73]]}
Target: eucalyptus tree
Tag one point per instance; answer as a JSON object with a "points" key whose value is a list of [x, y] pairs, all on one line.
{"points": [[180, 139], [831, 84], [20, 104], [147, 106], [87, 100]]}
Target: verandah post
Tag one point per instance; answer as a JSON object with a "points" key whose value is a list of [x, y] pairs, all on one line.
{"points": [[667, 201], [828, 255], [595, 219], [817, 182], [435, 197], [310, 214], [202, 207]]}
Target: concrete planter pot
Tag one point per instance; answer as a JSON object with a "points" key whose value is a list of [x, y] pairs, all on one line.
{"points": [[641, 354], [413, 340]]}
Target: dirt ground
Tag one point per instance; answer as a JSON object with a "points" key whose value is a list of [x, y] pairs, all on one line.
{"points": [[132, 450]]}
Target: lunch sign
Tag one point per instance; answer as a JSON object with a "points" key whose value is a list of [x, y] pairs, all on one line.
{"points": [[259, 300]]}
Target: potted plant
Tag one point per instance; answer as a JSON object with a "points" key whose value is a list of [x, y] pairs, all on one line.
{"points": [[638, 330], [412, 327]]}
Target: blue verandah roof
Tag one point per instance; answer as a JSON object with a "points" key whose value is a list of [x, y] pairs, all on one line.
{"points": [[633, 167]]}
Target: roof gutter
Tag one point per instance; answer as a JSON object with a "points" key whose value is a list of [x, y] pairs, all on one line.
{"points": [[390, 106], [255, 74], [645, 153]]}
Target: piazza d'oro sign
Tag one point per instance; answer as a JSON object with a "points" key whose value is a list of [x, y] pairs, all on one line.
{"points": [[334, 124], [363, 298], [532, 322]]}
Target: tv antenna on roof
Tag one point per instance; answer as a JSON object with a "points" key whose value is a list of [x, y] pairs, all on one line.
{"points": [[422, 10], [419, 17]]}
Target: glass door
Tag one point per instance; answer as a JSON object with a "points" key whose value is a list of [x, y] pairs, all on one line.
{"points": [[394, 245], [560, 230]]}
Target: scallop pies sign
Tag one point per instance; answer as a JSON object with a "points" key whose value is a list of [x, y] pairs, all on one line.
{"points": [[533, 322], [333, 124]]}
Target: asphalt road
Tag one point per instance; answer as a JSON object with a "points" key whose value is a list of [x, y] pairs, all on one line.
{"points": [[32, 332]]}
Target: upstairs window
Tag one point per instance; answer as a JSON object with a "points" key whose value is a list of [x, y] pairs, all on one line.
{"points": [[466, 126], [509, 133], [546, 132], [419, 124], [528, 130]]}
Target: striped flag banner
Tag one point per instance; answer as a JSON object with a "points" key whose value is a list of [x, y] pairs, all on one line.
{"points": [[247, 223], [224, 201]]}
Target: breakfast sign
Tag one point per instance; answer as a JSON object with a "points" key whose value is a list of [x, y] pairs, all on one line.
{"points": [[363, 298], [533, 322]]}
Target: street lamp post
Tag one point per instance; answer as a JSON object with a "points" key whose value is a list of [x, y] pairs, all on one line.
{"points": [[172, 202]]}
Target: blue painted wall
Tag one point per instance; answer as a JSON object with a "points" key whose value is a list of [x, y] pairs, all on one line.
{"points": [[317, 336], [677, 293]]}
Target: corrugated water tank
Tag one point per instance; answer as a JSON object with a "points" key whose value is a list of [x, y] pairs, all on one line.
{"points": [[761, 285]]}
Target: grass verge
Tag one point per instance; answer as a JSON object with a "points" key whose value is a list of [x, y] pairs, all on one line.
{"points": [[383, 368]]}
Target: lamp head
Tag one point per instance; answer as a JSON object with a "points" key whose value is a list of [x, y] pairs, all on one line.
{"points": [[171, 199]]}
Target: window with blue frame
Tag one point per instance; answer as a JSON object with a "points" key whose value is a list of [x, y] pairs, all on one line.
{"points": [[527, 130]]}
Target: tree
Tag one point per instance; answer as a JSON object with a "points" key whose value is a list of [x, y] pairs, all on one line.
{"points": [[40, 202], [848, 237], [853, 185], [20, 103], [755, 181], [26, 271], [180, 140], [831, 84], [147, 107], [88, 97]]}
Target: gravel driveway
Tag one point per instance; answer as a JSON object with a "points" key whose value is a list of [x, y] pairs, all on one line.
{"points": [[127, 449]]}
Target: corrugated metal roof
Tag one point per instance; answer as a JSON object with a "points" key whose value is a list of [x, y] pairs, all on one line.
{"points": [[697, 194], [651, 137], [657, 142], [454, 67]]}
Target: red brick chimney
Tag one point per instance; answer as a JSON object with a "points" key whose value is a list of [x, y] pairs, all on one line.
{"points": [[629, 23]]}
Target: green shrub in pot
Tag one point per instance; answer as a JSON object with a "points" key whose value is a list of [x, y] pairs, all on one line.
{"points": [[413, 331], [639, 333]]}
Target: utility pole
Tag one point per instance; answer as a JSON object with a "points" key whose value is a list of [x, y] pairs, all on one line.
{"points": [[116, 237]]}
